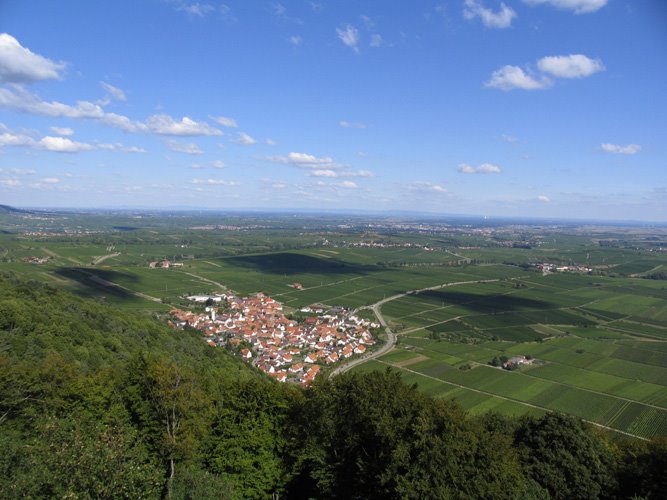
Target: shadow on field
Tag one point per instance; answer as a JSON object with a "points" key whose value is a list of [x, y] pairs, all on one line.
{"points": [[486, 303], [293, 263], [93, 283]]}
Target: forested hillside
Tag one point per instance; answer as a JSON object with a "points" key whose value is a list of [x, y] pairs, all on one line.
{"points": [[98, 402]]}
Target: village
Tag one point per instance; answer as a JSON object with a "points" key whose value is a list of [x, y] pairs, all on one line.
{"points": [[288, 350]]}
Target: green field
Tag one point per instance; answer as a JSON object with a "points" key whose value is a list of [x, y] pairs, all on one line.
{"points": [[599, 339]]}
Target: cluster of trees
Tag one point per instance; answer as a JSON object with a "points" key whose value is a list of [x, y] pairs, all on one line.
{"points": [[96, 402]]}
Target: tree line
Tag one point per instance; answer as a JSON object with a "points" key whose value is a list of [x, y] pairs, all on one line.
{"points": [[98, 402]]}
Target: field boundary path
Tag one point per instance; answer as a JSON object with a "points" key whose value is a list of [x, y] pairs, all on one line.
{"points": [[102, 258], [391, 336], [206, 280], [510, 399]]}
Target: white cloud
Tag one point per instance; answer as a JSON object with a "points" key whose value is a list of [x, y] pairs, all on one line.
{"points": [[50, 180], [572, 66], [245, 140], [196, 9], [63, 145], [305, 160], [184, 147], [509, 138], [295, 40], [324, 173], [346, 124], [225, 121], [347, 184], [578, 6], [484, 168], [271, 142], [21, 100], [166, 125], [11, 139], [18, 171], [214, 182], [226, 14], [630, 149], [427, 187], [349, 36], [501, 19], [120, 148], [62, 130], [358, 173], [10, 182], [20, 65], [218, 164], [543, 199], [512, 77], [115, 92], [377, 41]]}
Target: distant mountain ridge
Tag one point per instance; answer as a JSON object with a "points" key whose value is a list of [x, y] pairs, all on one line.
{"points": [[6, 209]]}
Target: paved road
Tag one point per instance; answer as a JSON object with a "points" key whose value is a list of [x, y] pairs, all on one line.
{"points": [[391, 336]]}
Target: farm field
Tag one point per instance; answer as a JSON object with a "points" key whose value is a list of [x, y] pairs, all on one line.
{"points": [[456, 298], [583, 362]]}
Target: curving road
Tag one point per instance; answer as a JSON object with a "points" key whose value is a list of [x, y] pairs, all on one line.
{"points": [[391, 336]]}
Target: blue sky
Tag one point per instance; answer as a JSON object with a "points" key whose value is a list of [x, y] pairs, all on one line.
{"points": [[546, 108]]}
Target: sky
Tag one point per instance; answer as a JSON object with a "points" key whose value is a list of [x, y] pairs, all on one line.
{"points": [[539, 108]]}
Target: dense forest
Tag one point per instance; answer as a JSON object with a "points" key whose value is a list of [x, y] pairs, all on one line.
{"points": [[98, 402]]}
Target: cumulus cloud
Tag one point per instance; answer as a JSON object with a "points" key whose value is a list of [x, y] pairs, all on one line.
{"points": [[50, 180], [118, 147], [543, 199], [572, 66], [218, 164], [196, 9], [10, 182], [62, 130], [60, 144], [9, 138], [305, 160], [509, 138], [358, 173], [578, 6], [484, 168], [115, 92], [245, 139], [346, 124], [295, 40], [427, 187], [184, 147], [347, 184], [324, 173], [63, 145], [19, 99], [501, 19], [512, 77], [166, 125], [630, 149], [271, 142], [225, 121], [214, 182], [349, 36], [20, 65]]}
